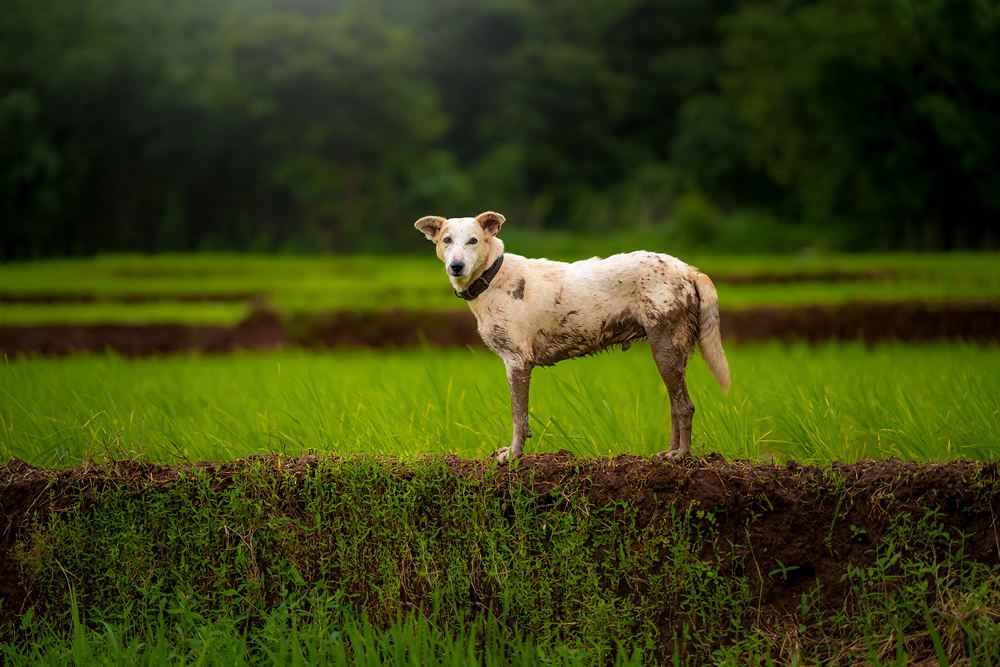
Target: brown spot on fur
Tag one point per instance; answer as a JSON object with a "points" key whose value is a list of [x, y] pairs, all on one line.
{"points": [[566, 317], [548, 348], [499, 340], [518, 291], [682, 321], [623, 330]]}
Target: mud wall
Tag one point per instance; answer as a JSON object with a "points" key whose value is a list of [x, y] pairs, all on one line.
{"points": [[264, 329]]}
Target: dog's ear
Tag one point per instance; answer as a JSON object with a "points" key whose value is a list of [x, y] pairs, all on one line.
{"points": [[490, 222], [430, 225]]}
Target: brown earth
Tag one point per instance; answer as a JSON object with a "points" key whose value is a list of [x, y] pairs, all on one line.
{"points": [[264, 329], [781, 278], [767, 516]]}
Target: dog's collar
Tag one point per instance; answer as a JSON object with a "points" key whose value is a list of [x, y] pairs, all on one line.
{"points": [[479, 285]]}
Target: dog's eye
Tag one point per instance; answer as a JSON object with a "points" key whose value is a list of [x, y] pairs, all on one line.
{"points": [[473, 241], [447, 239]]}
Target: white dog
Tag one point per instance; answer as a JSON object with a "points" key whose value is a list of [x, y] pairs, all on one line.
{"points": [[535, 312]]}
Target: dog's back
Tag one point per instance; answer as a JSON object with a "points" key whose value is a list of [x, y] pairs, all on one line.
{"points": [[547, 311]]}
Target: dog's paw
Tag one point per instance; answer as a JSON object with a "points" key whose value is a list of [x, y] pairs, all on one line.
{"points": [[505, 455], [672, 455]]}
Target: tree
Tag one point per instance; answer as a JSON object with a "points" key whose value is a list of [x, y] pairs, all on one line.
{"points": [[337, 112], [882, 114]]}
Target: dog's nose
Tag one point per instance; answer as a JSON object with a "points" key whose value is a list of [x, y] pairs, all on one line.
{"points": [[457, 267]]}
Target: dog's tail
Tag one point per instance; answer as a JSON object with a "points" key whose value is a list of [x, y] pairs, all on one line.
{"points": [[709, 337]]}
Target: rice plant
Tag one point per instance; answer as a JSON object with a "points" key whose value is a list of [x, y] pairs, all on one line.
{"points": [[815, 404]]}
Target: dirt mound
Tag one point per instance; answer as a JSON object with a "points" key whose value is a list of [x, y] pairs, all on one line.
{"points": [[262, 330], [789, 277], [870, 322], [265, 329], [807, 523]]}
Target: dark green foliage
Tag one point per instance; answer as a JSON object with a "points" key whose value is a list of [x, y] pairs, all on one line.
{"points": [[882, 113], [298, 125]]}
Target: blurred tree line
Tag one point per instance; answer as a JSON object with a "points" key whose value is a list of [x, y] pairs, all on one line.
{"points": [[308, 125]]}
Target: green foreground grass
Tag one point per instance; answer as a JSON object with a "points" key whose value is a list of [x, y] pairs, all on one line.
{"points": [[360, 565], [365, 563], [301, 284], [816, 404]]}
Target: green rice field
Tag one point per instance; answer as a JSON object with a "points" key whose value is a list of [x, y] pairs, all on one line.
{"points": [[429, 567], [296, 284], [834, 402]]}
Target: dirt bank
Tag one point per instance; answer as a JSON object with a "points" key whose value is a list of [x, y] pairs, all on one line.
{"points": [[264, 329], [810, 523]]}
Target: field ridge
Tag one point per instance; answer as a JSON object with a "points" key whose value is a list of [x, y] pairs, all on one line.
{"points": [[748, 553], [265, 329]]}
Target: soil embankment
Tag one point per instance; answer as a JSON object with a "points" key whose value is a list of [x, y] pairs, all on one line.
{"points": [[811, 523], [264, 329]]}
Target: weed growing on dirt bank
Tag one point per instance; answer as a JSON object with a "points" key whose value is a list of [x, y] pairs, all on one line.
{"points": [[393, 541], [370, 559]]}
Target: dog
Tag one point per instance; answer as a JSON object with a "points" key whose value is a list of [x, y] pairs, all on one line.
{"points": [[536, 312]]}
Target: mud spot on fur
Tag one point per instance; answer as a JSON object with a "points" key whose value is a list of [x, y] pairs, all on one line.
{"points": [[499, 339], [566, 317], [518, 291]]}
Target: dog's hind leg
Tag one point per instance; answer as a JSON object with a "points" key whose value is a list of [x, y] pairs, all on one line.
{"points": [[519, 377], [671, 360]]}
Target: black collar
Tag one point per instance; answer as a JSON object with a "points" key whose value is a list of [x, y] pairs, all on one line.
{"points": [[479, 285]]}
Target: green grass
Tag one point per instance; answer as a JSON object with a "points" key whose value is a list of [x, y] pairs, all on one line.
{"points": [[116, 312], [295, 284], [289, 283], [817, 404], [244, 577], [311, 629], [365, 563]]}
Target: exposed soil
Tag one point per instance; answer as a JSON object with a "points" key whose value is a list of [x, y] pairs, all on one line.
{"points": [[819, 519], [264, 329], [830, 276], [870, 322]]}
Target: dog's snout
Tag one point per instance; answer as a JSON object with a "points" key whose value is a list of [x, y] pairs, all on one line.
{"points": [[457, 267]]}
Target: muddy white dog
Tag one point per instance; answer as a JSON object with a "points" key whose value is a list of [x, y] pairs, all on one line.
{"points": [[535, 312]]}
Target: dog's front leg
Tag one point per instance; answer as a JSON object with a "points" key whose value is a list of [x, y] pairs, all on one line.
{"points": [[519, 377]]}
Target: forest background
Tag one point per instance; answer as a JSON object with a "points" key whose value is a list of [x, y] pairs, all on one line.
{"points": [[309, 125]]}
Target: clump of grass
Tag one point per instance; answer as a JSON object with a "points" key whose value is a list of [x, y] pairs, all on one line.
{"points": [[309, 628]]}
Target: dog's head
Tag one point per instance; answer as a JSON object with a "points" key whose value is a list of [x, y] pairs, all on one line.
{"points": [[463, 244]]}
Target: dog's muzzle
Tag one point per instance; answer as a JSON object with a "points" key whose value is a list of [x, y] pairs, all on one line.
{"points": [[457, 267]]}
